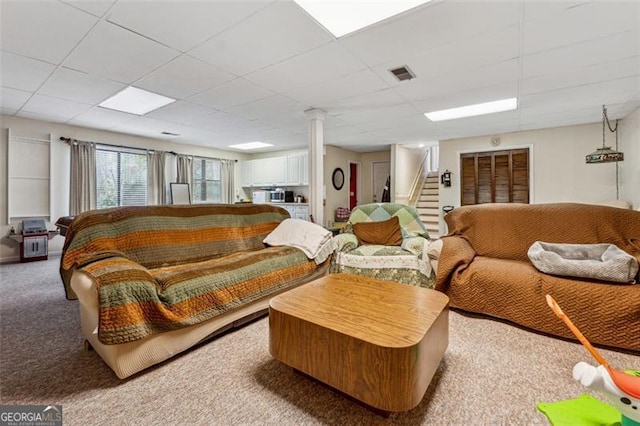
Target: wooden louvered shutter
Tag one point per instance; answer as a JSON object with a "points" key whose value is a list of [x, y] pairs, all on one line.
{"points": [[495, 177], [468, 184]]}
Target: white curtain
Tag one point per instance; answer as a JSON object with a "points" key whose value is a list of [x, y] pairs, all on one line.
{"points": [[227, 181], [185, 169], [82, 195], [156, 180]]}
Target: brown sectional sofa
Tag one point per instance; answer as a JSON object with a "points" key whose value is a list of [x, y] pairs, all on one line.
{"points": [[484, 268]]}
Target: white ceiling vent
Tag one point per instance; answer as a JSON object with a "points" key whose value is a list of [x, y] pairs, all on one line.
{"points": [[402, 73]]}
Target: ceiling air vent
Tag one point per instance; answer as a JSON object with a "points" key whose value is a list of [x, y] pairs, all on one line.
{"points": [[170, 134], [402, 73]]}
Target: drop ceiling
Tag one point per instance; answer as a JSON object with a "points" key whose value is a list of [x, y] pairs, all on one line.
{"points": [[245, 71]]}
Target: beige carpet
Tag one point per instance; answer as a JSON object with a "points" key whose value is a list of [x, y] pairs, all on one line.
{"points": [[493, 373]]}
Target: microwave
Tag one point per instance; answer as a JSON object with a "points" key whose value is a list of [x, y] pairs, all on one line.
{"points": [[260, 197], [276, 196]]}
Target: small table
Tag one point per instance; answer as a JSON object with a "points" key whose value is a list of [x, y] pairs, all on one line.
{"points": [[377, 341]]}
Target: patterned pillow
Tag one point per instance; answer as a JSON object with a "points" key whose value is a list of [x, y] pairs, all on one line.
{"points": [[385, 233]]}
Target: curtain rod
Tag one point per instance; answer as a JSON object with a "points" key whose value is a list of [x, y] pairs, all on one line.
{"points": [[71, 140]]}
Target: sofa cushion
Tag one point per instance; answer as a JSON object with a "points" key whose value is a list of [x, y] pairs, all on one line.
{"points": [[604, 262], [385, 233]]}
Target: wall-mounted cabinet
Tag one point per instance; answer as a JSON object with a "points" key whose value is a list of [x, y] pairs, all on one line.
{"points": [[298, 170], [269, 171], [28, 178], [292, 170]]}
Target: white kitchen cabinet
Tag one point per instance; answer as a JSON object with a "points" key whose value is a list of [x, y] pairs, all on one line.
{"points": [[269, 171], [245, 173], [297, 211], [298, 170], [301, 212], [294, 168], [304, 169]]}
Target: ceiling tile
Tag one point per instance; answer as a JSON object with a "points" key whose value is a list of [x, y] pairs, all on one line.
{"points": [[574, 57], [384, 116], [117, 54], [219, 122], [267, 107], [181, 24], [462, 56], [54, 28], [285, 30], [94, 7], [55, 107], [367, 102], [462, 80], [318, 65], [327, 92], [558, 78], [408, 118], [236, 92], [7, 111], [183, 77], [469, 97], [586, 21], [80, 87], [41, 117], [429, 26], [543, 9], [12, 99], [181, 112], [23, 73], [102, 118]]}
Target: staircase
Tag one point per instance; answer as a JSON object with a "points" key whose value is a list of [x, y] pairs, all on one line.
{"points": [[428, 205]]}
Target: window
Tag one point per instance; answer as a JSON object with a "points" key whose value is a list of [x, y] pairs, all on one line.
{"points": [[121, 178], [495, 177], [207, 187]]}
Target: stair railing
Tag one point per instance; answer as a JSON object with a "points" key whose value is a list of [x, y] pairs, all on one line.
{"points": [[418, 181]]}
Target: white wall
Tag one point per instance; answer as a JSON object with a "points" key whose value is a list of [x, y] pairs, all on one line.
{"points": [[558, 170], [337, 157], [9, 250], [629, 144], [405, 166]]}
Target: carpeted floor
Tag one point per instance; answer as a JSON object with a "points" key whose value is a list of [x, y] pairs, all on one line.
{"points": [[493, 373]]}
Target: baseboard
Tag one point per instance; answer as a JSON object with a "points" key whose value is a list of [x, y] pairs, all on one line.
{"points": [[16, 259]]}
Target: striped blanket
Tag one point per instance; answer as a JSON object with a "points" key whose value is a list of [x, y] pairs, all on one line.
{"points": [[159, 268]]}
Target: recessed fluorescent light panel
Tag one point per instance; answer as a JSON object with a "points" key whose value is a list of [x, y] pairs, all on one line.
{"points": [[136, 101], [250, 145], [472, 110], [344, 17]]}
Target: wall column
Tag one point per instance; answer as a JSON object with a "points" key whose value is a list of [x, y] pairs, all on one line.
{"points": [[316, 161]]}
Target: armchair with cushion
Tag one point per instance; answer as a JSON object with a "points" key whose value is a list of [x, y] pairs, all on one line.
{"points": [[386, 241]]}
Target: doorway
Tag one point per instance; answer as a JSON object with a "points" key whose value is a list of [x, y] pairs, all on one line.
{"points": [[381, 173], [353, 185]]}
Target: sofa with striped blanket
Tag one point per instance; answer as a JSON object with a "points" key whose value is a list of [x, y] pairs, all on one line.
{"points": [[155, 280]]}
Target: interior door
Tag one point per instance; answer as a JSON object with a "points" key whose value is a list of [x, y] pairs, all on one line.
{"points": [[353, 185], [381, 171]]}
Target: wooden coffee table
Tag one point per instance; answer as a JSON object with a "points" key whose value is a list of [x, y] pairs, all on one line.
{"points": [[377, 341]]}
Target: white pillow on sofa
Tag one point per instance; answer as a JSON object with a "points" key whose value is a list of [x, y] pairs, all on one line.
{"points": [[315, 241]]}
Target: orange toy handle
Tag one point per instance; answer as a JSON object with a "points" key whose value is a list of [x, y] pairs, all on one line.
{"points": [[556, 309]]}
